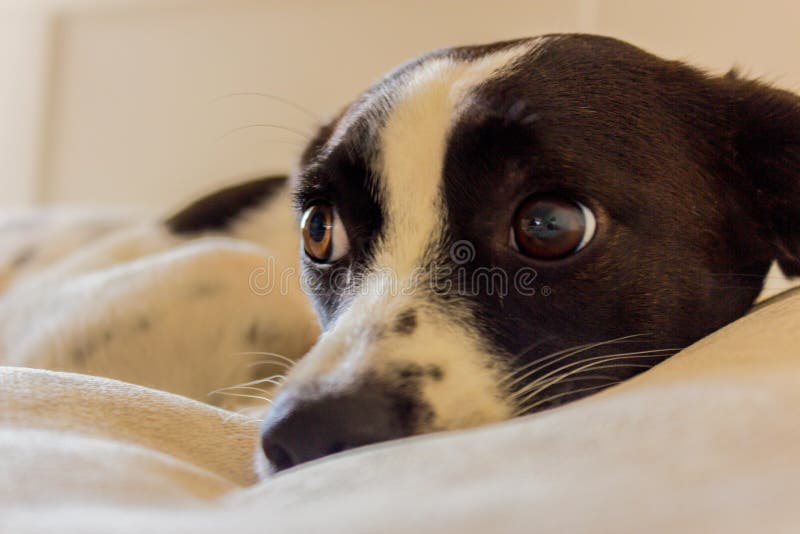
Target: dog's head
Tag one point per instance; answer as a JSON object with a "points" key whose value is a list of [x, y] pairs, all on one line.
{"points": [[492, 230]]}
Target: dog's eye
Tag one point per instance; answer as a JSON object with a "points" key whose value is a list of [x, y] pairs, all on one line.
{"points": [[324, 237], [548, 227]]}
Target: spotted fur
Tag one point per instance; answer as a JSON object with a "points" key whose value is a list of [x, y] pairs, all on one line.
{"points": [[437, 156]]}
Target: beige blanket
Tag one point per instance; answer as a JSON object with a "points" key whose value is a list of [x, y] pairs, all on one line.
{"points": [[707, 442]]}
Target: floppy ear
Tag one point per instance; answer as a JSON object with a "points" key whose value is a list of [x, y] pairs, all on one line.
{"points": [[766, 142]]}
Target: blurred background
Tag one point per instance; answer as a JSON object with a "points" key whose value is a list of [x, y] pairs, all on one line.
{"points": [[146, 103]]}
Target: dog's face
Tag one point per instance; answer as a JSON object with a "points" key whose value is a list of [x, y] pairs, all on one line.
{"points": [[492, 230]]}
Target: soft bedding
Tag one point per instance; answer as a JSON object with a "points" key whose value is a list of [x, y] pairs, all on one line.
{"points": [[705, 442]]}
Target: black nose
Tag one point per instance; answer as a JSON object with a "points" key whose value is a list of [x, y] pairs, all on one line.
{"points": [[297, 431]]}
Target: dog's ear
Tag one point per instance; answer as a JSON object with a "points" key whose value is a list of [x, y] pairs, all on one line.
{"points": [[766, 152]]}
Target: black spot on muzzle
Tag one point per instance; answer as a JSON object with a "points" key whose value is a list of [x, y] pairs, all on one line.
{"points": [[406, 322]]}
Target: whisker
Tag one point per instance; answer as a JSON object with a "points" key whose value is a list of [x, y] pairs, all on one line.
{"points": [[551, 398], [290, 142], [593, 377], [623, 339], [530, 347], [600, 359], [563, 354], [276, 363], [538, 387], [306, 111], [220, 390], [528, 365], [580, 378], [267, 380], [245, 396], [304, 135], [563, 380], [260, 353]]}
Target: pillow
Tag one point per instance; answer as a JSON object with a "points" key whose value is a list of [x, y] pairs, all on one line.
{"points": [[706, 441]]}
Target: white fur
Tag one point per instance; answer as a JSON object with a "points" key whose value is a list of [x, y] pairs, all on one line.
{"points": [[422, 108], [33, 239], [145, 306]]}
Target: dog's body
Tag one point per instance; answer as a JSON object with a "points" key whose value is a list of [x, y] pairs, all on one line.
{"points": [[183, 305], [487, 231]]}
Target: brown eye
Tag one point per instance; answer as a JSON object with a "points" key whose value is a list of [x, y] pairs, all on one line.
{"points": [[549, 227], [324, 238]]}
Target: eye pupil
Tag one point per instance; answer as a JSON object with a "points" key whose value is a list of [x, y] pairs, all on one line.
{"points": [[546, 226], [549, 227], [543, 228], [318, 226]]}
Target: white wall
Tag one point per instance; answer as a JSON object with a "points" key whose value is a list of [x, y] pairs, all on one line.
{"points": [[121, 102], [23, 70]]}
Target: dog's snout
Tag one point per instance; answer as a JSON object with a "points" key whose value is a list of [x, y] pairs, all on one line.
{"points": [[297, 431]]}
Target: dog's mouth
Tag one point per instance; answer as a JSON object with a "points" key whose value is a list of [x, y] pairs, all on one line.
{"points": [[308, 422]]}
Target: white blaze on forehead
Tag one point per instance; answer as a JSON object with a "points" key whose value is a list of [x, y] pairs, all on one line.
{"points": [[420, 109], [413, 144]]}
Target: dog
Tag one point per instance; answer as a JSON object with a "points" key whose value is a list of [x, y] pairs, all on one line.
{"points": [[486, 232], [648, 197], [183, 304]]}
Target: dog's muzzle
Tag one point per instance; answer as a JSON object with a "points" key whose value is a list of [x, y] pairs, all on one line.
{"points": [[298, 430]]}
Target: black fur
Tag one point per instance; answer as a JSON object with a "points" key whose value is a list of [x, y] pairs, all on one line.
{"points": [[695, 178], [344, 180], [216, 211], [694, 181], [766, 152], [645, 143]]}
